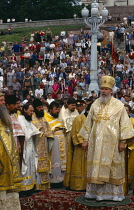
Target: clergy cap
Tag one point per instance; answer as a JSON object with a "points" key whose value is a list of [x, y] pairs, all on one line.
{"points": [[10, 99], [37, 102], [80, 103], [107, 82]]}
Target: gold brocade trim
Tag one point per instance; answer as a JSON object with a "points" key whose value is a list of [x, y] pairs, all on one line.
{"points": [[42, 186], [59, 132], [28, 187], [42, 159], [108, 193], [102, 116], [122, 164], [110, 181], [61, 139], [125, 128], [8, 145], [86, 128], [131, 146], [9, 172], [42, 170], [28, 177], [45, 182], [53, 122], [105, 165], [113, 110], [7, 188], [19, 179], [80, 139], [93, 162]]}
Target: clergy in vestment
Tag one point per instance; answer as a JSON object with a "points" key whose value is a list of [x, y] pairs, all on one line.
{"points": [[130, 154], [106, 130], [58, 160], [17, 129], [43, 147], [78, 174], [30, 154], [67, 117], [10, 178]]}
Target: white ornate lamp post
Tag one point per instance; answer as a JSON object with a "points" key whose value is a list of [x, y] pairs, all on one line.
{"points": [[95, 21]]}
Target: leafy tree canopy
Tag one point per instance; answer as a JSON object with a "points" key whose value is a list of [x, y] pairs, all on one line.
{"points": [[39, 9]]}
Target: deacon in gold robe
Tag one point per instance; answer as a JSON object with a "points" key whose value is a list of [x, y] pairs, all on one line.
{"points": [[106, 130], [78, 172], [58, 161], [130, 154], [44, 141], [67, 117], [10, 179]]}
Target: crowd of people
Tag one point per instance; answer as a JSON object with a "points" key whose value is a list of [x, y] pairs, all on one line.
{"points": [[61, 64], [53, 133]]}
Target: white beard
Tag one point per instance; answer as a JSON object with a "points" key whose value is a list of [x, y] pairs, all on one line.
{"points": [[4, 116], [104, 100]]}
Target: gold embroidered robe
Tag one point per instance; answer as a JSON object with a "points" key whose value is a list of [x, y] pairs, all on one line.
{"points": [[43, 166], [67, 117], [58, 161], [79, 163], [104, 127], [131, 161], [10, 178]]}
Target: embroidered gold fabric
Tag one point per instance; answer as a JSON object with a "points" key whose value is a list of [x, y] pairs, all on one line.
{"points": [[10, 177], [67, 117], [78, 175], [58, 165], [105, 192], [104, 162], [131, 161], [9, 201], [43, 166]]}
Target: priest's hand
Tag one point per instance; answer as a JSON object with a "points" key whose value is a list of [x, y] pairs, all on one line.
{"points": [[85, 145], [121, 147]]}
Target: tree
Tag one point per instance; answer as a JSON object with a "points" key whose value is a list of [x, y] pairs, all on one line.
{"points": [[38, 9]]}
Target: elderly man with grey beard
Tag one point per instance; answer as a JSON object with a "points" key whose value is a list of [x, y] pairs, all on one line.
{"points": [[9, 170], [2, 99], [106, 131]]}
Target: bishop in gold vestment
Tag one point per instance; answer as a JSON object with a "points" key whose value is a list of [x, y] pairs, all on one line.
{"points": [[10, 178], [106, 129]]}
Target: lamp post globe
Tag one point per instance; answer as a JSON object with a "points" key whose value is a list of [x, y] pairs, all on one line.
{"points": [[94, 4], [85, 12], [104, 12], [94, 11]]}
